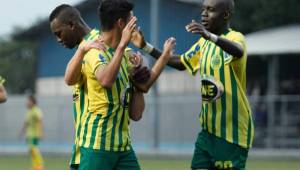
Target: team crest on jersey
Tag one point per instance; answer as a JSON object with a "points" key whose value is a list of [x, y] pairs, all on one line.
{"points": [[216, 62]]}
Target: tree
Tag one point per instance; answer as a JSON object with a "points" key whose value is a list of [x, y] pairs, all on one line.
{"points": [[18, 66], [260, 14]]}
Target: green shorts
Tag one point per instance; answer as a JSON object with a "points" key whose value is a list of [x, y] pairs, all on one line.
{"points": [[74, 166], [92, 159], [212, 152], [32, 141]]}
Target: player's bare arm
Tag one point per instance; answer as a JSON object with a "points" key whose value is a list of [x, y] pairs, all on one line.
{"points": [[158, 66], [73, 70], [106, 75], [137, 105], [139, 41], [230, 47]]}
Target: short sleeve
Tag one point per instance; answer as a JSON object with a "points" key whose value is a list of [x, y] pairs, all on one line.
{"points": [[239, 38], [191, 58], [95, 58]]}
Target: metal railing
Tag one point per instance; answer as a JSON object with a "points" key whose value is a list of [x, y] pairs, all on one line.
{"points": [[277, 120]]}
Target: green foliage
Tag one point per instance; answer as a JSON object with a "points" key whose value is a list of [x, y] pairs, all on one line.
{"points": [[18, 66], [253, 15]]}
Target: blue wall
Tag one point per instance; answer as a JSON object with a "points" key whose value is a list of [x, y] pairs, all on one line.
{"points": [[173, 16]]}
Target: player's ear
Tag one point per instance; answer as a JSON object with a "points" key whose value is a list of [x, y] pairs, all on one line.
{"points": [[120, 23], [227, 15], [71, 24]]}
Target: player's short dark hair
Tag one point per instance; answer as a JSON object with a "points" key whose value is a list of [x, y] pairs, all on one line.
{"points": [[65, 12], [32, 99], [110, 11]]}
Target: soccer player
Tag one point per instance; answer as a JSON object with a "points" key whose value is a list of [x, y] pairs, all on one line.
{"points": [[33, 127], [105, 141], [71, 30], [220, 53], [3, 95]]}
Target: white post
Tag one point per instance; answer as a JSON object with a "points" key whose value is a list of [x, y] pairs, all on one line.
{"points": [[154, 27], [273, 66]]}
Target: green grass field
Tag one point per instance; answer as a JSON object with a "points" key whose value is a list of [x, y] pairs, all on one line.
{"points": [[61, 163]]}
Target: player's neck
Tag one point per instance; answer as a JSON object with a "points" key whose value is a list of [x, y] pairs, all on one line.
{"points": [[85, 31], [111, 38], [222, 30]]}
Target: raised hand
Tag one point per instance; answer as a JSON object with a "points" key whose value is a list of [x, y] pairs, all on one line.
{"points": [[138, 39], [95, 44], [136, 59], [197, 28], [139, 73], [169, 47], [127, 31]]}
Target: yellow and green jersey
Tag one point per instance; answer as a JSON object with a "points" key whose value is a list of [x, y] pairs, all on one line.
{"points": [[33, 121], [230, 116], [80, 102], [106, 127]]}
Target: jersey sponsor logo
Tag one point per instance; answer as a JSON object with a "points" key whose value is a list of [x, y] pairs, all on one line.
{"points": [[216, 62], [211, 89]]}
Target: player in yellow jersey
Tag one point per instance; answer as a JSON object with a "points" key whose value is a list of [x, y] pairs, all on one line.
{"points": [[72, 30], [3, 95], [105, 143], [33, 127], [69, 27], [220, 56]]}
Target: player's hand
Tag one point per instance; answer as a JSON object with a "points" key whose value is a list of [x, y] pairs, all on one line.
{"points": [[197, 28], [136, 59], [139, 73], [95, 44], [127, 32], [138, 39], [169, 47]]}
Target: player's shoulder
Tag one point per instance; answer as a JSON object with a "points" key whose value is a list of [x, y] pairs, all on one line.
{"points": [[93, 54], [233, 34], [201, 41], [196, 46], [36, 111]]}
